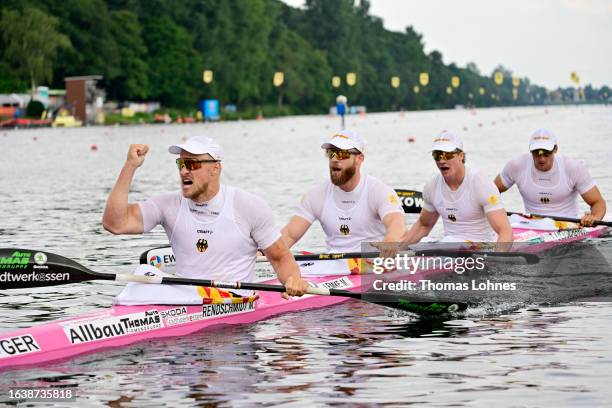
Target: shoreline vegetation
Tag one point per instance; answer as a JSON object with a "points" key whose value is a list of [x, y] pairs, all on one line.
{"points": [[264, 57]]}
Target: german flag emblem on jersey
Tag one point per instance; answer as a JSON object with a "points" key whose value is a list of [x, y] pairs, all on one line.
{"points": [[202, 245], [344, 229]]}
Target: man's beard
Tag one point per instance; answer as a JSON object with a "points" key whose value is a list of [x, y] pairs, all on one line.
{"points": [[197, 192], [344, 176]]}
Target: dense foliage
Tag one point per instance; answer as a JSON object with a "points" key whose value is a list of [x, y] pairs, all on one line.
{"points": [[158, 50]]}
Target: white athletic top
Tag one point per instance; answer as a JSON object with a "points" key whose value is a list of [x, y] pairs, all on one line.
{"points": [[464, 211], [217, 239], [350, 218], [553, 192]]}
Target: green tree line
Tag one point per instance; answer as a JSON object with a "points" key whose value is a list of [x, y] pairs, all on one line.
{"points": [[158, 50]]}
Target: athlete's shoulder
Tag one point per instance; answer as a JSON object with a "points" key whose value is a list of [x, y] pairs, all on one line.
{"points": [[375, 182], [244, 196]]}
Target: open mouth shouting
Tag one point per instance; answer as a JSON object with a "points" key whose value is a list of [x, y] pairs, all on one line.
{"points": [[444, 168]]}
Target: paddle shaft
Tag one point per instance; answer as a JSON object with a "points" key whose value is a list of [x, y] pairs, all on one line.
{"points": [[554, 217], [530, 258], [24, 268]]}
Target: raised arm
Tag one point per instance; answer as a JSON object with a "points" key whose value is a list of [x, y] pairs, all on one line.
{"points": [[119, 216]]}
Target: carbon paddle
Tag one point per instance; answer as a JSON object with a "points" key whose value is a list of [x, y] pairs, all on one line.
{"points": [[452, 253], [25, 268]]}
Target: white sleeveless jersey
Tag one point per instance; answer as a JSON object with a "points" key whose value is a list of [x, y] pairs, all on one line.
{"points": [[464, 211], [213, 250], [346, 229], [554, 192]]}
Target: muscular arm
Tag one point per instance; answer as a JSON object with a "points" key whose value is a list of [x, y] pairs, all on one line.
{"points": [[394, 226], [422, 227], [501, 225], [119, 216], [499, 184], [294, 230], [286, 269], [597, 203]]}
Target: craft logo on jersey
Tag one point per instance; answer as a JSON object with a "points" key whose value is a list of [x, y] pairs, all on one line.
{"points": [[202, 245], [452, 217], [544, 200], [344, 229]]}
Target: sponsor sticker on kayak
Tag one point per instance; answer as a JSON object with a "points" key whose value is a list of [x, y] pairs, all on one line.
{"points": [[340, 283], [117, 326], [18, 345], [181, 315], [565, 234]]}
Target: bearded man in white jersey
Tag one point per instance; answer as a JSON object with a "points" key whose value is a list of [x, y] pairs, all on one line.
{"points": [[467, 201], [550, 183], [351, 207], [214, 229]]}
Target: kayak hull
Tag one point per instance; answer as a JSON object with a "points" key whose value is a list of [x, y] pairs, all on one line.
{"points": [[124, 325]]}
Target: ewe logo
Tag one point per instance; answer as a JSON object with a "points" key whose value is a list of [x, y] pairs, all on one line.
{"points": [[155, 261]]}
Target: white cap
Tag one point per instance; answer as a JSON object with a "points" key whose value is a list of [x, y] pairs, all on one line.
{"points": [[447, 142], [199, 145], [542, 139], [345, 140]]}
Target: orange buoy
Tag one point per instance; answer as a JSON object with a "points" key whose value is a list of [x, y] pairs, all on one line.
{"points": [[94, 147], [411, 139], [35, 138]]}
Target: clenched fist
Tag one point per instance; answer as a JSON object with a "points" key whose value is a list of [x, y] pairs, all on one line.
{"points": [[136, 155]]}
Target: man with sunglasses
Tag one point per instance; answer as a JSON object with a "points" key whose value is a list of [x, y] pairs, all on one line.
{"points": [[550, 183], [214, 229], [467, 201], [351, 207]]}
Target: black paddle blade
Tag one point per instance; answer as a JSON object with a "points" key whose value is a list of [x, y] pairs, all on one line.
{"points": [[412, 201], [408, 303], [27, 268], [419, 306]]}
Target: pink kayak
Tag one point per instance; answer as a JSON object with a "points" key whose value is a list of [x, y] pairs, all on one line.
{"points": [[123, 325]]}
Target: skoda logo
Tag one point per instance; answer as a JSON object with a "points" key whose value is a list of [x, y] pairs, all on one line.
{"points": [[344, 229], [202, 245], [40, 258]]}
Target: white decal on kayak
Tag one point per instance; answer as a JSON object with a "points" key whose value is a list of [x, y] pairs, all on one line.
{"points": [[17, 345], [112, 327], [340, 283], [564, 234], [223, 309]]}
